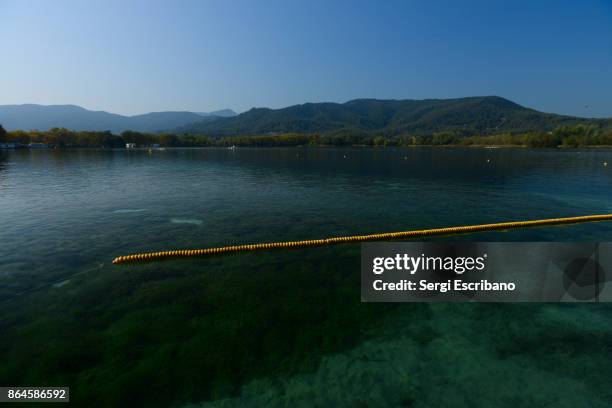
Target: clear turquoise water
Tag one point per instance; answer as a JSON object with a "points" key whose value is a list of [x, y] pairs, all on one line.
{"points": [[228, 330]]}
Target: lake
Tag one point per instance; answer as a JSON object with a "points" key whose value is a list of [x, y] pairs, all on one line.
{"points": [[285, 328]]}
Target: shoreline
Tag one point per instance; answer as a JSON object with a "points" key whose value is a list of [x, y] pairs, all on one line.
{"points": [[319, 146]]}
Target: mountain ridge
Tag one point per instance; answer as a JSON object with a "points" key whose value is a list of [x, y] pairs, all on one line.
{"points": [[391, 117], [386, 117], [31, 116]]}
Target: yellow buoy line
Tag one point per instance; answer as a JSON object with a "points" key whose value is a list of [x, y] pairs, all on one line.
{"points": [[153, 256]]}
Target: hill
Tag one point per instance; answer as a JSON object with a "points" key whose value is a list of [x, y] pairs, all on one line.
{"points": [[466, 116], [44, 117], [389, 118], [223, 113]]}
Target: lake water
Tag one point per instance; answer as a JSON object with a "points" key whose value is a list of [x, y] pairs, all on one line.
{"points": [[285, 328]]}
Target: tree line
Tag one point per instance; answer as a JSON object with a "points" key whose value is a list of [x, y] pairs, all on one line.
{"points": [[64, 138], [564, 136]]}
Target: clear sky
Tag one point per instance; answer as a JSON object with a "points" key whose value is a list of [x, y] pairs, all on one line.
{"points": [[139, 56]]}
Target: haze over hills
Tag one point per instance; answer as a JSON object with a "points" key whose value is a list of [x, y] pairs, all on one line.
{"points": [[471, 115], [44, 117], [223, 113], [463, 116]]}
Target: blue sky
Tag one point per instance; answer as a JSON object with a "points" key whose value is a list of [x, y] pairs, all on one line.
{"points": [[139, 56]]}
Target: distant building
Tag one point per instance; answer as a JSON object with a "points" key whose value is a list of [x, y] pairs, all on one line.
{"points": [[7, 145], [130, 145], [155, 145], [38, 145]]}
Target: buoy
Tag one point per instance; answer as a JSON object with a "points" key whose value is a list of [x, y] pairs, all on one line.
{"points": [[500, 226]]}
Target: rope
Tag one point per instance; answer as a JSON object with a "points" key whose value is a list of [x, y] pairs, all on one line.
{"points": [[152, 256]]}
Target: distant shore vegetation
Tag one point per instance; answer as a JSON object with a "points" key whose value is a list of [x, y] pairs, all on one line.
{"points": [[579, 135]]}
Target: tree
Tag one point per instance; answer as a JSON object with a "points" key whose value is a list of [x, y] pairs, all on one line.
{"points": [[3, 135], [444, 138], [380, 141], [166, 139]]}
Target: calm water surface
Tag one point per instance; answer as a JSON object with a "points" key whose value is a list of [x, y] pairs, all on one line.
{"points": [[285, 327]]}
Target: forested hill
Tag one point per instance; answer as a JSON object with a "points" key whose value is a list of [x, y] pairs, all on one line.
{"points": [[464, 116], [360, 117]]}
